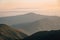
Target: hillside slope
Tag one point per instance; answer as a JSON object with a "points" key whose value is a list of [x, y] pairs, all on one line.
{"points": [[7, 33]]}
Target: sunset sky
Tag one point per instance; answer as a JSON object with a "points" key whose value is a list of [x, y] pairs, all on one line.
{"points": [[38, 5]]}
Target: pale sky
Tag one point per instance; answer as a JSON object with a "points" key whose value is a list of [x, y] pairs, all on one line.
{"points": [[37, 5], [11, 4]]}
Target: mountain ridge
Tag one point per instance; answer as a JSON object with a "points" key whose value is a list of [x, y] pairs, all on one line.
{"points": [[26, 18], [30, 17]]}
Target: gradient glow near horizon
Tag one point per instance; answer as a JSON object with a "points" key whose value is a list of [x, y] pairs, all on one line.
{"points": [[27, 0], [37, 5], [10, 4]]}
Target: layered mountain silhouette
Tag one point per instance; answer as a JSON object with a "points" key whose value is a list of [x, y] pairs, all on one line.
{"points": [[8, 33], [32, 22], [45, 35], [27, 18], [46, 23]]}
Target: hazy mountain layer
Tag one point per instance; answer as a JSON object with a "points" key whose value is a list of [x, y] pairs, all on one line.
{"points": [[32, 22], [48, 23], [27, 18]]}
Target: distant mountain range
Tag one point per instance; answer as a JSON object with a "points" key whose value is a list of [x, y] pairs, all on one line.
{"points": [[19, 19], [8, 33], [32, 22]]}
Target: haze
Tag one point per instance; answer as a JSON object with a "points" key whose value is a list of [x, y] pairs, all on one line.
{"points": [[44, 7]]}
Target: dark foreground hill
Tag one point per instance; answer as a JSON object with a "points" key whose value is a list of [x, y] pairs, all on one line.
{"points": [[45, 35], [7, 33]]}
